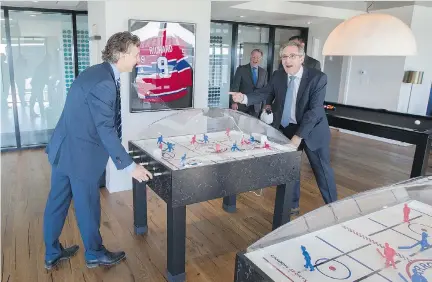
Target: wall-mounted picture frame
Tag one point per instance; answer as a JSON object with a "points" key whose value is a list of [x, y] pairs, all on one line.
{"points": [[164, 77]]}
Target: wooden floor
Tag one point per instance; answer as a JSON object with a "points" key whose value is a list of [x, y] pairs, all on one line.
{"points": [[213, 236]]}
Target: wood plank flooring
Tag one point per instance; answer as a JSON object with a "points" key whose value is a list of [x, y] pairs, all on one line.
{"points": [[213, 236]]}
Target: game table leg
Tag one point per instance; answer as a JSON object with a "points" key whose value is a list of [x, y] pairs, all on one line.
{"points": [[283, 203], [139, 194], [421, 158], [176, 225], [229, 203]]}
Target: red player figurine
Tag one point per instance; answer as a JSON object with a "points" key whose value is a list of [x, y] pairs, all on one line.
{"points": [[227, 132], [243, 141], [193, 141], [218, 149], [266, 145], [389, 254], [406, 211]]}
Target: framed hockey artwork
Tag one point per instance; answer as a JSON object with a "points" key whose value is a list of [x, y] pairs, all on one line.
{"points": [[164, 77]]}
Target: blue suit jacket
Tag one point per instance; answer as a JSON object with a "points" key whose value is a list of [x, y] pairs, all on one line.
{"points": [[310, 113], [85, 135]]}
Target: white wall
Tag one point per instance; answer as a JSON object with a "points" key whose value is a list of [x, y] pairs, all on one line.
{"points": [[114, 17], [420, 25]]}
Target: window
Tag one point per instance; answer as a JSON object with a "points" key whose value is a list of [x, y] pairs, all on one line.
{"points": [[220, 64], [42, 61]]}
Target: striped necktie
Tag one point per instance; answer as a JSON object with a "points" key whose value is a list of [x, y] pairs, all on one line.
{"points": [[118, 122]]}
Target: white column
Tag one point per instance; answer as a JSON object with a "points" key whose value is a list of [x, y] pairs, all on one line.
{"points": [[112, 17]]}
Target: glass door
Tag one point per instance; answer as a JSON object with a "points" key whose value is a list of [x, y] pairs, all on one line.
{"points": [[7, 111], [38, 65]]}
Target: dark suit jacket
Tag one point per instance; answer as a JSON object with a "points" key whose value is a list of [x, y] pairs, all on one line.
{"points": [[243, 82], [85, 135], [310, 114], [309, 62]]}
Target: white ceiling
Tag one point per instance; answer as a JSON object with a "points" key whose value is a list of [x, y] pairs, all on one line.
{"points": [[298, 13], [248, 10], [234, 11], [63, 5]]}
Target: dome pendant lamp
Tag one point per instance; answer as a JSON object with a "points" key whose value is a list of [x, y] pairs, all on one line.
{"points": [[371, 34]]}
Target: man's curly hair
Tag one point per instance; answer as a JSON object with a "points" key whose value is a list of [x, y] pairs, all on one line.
{"points": [[119, 43]]}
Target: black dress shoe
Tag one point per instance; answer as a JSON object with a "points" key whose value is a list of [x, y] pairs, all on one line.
{"points": [[107, 259], [65, 254]]}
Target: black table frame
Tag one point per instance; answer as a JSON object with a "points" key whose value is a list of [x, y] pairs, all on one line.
{"points": [[247, 271], [421, 139], [176, 206]]}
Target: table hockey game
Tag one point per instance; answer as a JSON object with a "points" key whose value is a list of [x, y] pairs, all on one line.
{"points": [[391, 243], [203, 154]]}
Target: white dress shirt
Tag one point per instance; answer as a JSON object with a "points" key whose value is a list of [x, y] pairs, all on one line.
{"points": [[297, 79]]}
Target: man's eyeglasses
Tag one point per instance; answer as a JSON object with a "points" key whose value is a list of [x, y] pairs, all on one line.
{"points": [[290, 56]]}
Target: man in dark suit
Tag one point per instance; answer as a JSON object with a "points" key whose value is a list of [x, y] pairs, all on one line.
{"points": [[87, 133], [248, 78], [308, 62], [296, 95]]}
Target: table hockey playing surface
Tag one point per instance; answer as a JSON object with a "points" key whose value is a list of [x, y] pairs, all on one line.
{"points": [[185, 153], [349, 251]]}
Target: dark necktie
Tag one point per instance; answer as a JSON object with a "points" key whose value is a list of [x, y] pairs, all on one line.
{"points": [[118, 122]]}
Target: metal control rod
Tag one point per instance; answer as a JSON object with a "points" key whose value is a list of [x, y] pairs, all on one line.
{"points": [[155, 174]]}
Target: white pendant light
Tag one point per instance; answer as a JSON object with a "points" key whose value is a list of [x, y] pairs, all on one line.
{"points": [[371, 35]]}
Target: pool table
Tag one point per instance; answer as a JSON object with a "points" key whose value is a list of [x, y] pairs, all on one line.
{"points": [[408, 128]]}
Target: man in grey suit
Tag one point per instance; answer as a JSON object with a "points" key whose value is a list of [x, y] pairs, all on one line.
{"points": [[247, 79], [296, 97], [309, 62]]}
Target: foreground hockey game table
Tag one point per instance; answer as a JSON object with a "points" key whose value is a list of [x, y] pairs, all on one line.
{"points": [[403, 127], [193, 159], [346, 240]]}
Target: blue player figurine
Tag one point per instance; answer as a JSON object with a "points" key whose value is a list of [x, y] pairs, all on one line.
{"points": [[183, 160], [234, 147], [252, 139], [170, 146], [423, 243], [307, 258], [205, 138], [160, 140]]}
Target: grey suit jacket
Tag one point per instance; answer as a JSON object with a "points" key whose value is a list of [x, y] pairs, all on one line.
{"points": [[243, 82], [309, 62], [310, 114]]}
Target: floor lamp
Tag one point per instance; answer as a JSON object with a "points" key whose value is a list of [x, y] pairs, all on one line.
{"points": [[413, 77]]}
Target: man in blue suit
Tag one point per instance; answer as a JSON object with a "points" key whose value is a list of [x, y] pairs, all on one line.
{"points": [[87, 134], [296, 95]]}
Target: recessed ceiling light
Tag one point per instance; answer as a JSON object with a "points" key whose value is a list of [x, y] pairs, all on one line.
{"points": [[309, 22], [241, 16]]}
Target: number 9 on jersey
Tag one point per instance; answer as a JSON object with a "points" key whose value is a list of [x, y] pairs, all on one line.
{"points": [[163, 68]]}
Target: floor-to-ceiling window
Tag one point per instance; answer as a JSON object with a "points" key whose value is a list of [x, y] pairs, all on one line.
{"points": [[7, 129], [42, 51], [230, 46], [220, 64]]}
